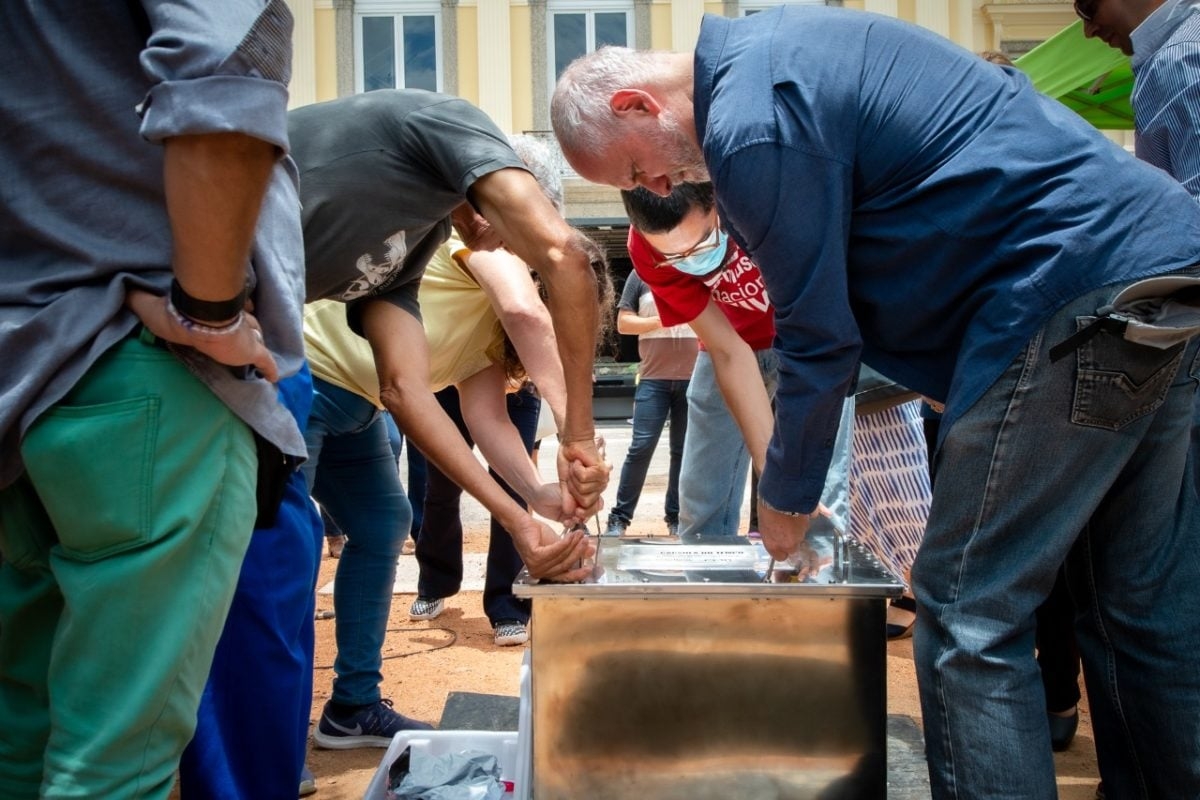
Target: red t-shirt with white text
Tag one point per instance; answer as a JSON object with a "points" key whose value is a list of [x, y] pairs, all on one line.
{"points": [[738, 290]]}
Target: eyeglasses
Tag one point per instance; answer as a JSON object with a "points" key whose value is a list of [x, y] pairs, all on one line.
{"points": [[1086, 9], [710, 242]]}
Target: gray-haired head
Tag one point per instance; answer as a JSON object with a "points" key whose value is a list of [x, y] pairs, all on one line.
{"points": [[543, 163], [579, 111]]}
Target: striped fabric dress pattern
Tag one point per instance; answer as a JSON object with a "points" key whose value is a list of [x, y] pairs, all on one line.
{"points": [[889, 485]]}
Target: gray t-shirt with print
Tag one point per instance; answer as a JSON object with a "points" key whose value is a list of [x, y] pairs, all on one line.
{"points": [[380, 173]]}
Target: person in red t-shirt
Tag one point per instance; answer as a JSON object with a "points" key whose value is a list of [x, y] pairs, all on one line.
{"points": [[701, 277]]}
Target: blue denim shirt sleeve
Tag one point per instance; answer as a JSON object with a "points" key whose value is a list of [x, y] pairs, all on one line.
{"points": [[817, 339], [217, 67]]}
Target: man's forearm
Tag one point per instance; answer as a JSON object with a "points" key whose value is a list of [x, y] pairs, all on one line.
{"points": [[742, 387], [740, 381], [435, 435], [573, 308], [537, 347], [215, 185], [631, 324], [530, 227]]}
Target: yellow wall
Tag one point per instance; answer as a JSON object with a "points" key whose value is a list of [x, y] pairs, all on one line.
{"points": [[954, 13], [522, 68], [1020, 19], [468, 54], [326, 54], [660, 26]]}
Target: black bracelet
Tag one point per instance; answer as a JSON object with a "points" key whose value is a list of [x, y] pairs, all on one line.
{"points": [[206, 310]]}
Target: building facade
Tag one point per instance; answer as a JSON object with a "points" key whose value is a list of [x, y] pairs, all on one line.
{"points": [[504, 55]]}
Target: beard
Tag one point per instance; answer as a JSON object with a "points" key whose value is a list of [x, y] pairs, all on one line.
{"points": [[682, 152]]}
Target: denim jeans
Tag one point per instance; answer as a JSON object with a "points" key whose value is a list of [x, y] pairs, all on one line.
{"points": [[352, 473], [1081, 461], [416, 480], [716, 461], [439, 545], [654, 402]]}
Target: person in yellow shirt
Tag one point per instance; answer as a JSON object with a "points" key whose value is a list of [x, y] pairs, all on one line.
{"points": [[467, 302]]}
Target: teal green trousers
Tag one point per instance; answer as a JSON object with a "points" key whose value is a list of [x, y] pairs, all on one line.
{"points": [[122, 543]]}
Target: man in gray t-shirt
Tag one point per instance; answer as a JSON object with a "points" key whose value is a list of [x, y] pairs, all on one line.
{"points": [[382, 172], [384, 176]]}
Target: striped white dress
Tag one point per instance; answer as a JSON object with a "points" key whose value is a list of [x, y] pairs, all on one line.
{"points": [[889, 485]]}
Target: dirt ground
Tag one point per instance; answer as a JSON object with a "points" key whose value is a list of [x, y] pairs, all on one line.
{"points": [[425, 661]]}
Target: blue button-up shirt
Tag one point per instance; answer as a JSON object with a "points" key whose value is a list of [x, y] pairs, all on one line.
{"points": [[1166, 94], [911, 205]]}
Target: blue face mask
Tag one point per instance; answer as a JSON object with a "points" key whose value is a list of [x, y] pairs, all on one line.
{"points": [[708, 261]]}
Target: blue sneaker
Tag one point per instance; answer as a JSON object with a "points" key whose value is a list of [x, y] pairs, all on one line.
{"points": [[368, 726]]}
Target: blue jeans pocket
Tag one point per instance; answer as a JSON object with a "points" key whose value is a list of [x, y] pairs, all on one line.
{"points": [[1118, 382], [92, 466]]}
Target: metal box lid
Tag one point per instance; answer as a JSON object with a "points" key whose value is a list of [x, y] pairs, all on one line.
{"points": [[640, 567]]}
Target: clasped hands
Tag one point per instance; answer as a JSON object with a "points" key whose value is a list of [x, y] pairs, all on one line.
{"points": [[583, 475]]}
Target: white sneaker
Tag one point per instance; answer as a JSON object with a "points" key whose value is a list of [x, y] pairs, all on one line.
{"points": [[511, 633], [426, 608]]}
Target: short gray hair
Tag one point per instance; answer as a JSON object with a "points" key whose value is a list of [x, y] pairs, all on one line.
{"points": [[543, 163], [579, 110]]}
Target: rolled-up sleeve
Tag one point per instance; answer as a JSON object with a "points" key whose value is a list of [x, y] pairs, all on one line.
{"points": [[797, 229], [217, 68]]}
